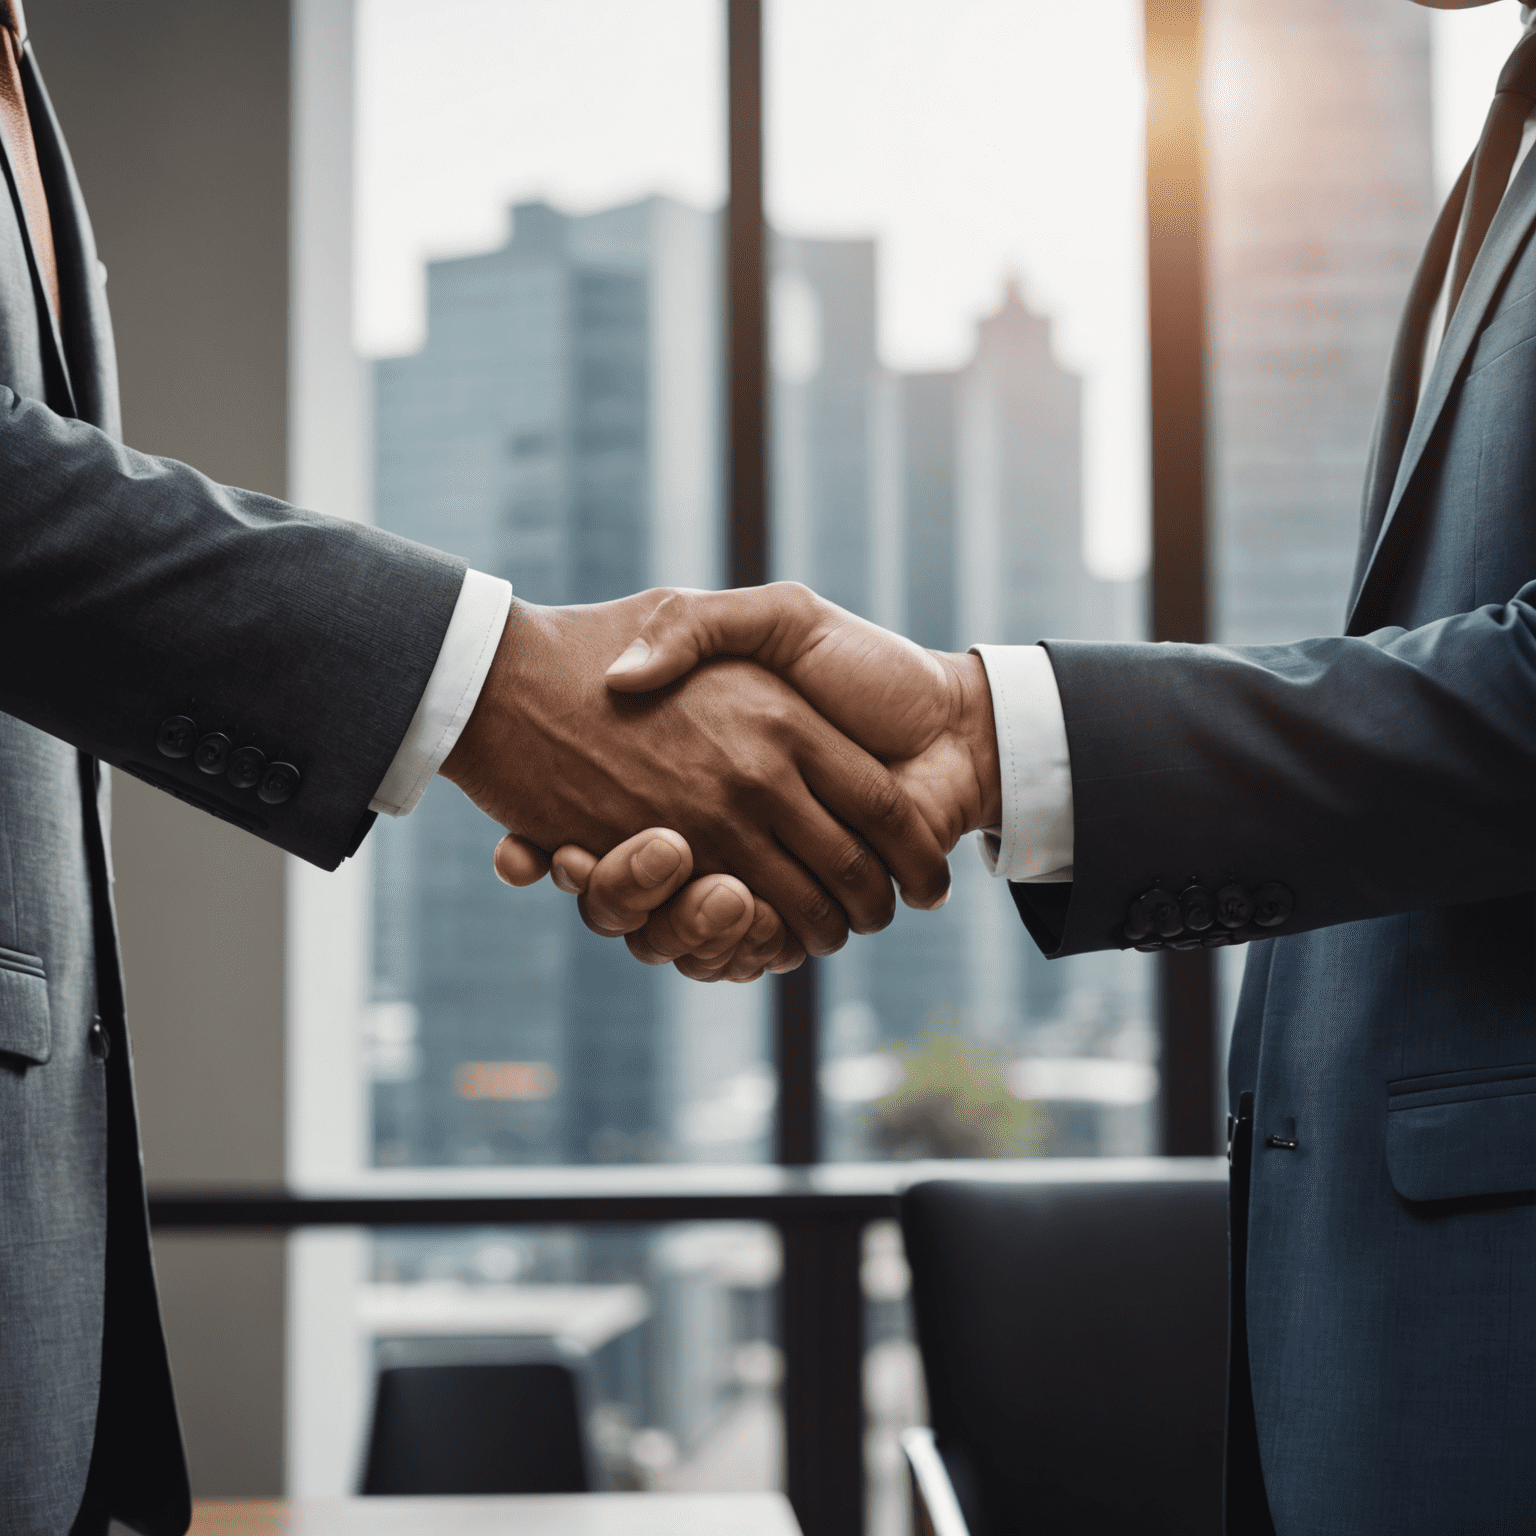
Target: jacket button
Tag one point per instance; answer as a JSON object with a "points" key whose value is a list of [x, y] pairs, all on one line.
{"points": [[1272, 904], [99, 1040], [1216, 940], [1151, 947], [245, 766], [278, 783], [1154, 911], [176, 737], [1167, 920], [1234, 906], [212, 754], [1198, 907]]}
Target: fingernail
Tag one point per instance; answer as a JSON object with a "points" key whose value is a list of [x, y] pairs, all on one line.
{"points": [[634, 658], [564, 881], [722, 907], [656, 861]]}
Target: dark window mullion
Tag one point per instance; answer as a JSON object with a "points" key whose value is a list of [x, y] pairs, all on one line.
{"points": [[820, 1298], [1176, 315]]}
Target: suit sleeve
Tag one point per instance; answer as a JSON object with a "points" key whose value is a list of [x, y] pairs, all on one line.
{"points": [[135, 592], [1390, 772]]}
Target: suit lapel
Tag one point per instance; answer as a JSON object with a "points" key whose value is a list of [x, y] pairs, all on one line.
{"points": [[85, 335], [1404, 374], [1505, 237], [56, 368]]}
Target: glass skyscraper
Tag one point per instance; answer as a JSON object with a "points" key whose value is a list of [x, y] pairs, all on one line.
{"points": [[559, 428]]}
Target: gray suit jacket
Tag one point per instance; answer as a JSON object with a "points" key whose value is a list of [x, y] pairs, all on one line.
{"points": [[134, 590], [1387, 1039]]}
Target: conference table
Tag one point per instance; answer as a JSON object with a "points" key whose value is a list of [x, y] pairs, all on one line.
{"points": [[591, 1514]]}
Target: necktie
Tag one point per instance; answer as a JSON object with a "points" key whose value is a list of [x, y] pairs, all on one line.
{"points": [[1494, 157], [16, 129]]}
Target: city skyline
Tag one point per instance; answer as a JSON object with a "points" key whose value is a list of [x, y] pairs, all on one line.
{"points": [[561, 428]]}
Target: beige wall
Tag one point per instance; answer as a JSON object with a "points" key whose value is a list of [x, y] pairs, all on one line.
{"points": [[177, 114]]}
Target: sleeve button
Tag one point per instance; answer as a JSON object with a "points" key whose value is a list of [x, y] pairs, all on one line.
{"points": [[278, 783], [1272, 904], [1138, 920], [212, 754], [1234, 906], [176, 737], [1167, 920], [245, 767], [1198, 907], [1154, 911]]}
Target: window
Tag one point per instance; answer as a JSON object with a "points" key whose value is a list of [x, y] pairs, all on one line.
{"points": [[959, 450]]}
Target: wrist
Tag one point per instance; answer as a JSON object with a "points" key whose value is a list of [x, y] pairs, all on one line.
{"points": [[976, 730], [483, 740]]}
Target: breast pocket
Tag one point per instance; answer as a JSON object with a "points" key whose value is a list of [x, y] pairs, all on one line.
{"points": [[25, 1029], [1463, 1133], [1512, 327]]}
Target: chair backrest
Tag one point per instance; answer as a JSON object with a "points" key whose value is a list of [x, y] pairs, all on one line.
{"points": [[1073, 1337], [459, 1426]]}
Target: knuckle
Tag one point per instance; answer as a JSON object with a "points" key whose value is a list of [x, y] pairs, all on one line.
{"points": [[853, 863], [884, 799]]}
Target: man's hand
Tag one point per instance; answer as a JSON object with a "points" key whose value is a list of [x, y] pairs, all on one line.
{"points": [[757, 783], [926, 714], [716, 930]]}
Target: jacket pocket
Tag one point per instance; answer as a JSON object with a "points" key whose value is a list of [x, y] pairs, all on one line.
{"points": [[1463, 1133], [25, 1029], [1512, 327]]}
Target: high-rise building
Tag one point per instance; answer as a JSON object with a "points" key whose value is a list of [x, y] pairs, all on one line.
{"points": [[947, 505], [1321, 198], [559, 428]]}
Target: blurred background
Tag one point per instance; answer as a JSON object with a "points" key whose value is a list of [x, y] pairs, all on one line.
{"points": [[466, 279]]}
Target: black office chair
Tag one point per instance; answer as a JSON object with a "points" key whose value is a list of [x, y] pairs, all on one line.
{"points": [[456, 1417], [1073, 1337]]}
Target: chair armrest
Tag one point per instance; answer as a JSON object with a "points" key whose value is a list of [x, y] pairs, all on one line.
{"points": [[935, 1509]]}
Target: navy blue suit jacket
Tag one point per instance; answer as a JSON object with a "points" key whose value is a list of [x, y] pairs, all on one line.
{"points": [[1388, 777]]}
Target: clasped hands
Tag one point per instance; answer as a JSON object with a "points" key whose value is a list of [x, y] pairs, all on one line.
{"points": [[789, 760]]}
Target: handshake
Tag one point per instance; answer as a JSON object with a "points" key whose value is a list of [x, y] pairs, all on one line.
{"points": [[789, 760]]}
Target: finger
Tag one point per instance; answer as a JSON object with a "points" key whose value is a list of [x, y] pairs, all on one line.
{"points": [[779, 874], [863, 793], [698, 970], [706, 921], [770, 942], [846, 866], [519, 863], [635, 878], [571, 869], [768, 946], [774, 624], [712, 916]]}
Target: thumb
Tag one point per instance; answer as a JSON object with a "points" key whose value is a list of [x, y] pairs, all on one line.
{"points": [[773, 624]]}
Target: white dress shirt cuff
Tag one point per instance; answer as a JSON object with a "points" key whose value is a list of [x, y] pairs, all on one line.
{"points": [[1034, 842], [474, 631]]}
